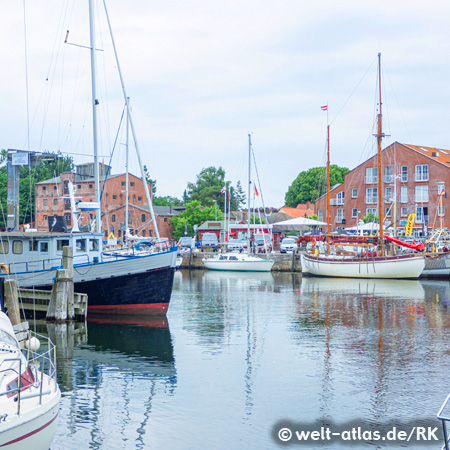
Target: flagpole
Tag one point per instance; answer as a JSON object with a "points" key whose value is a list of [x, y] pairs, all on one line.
{"points": [[229, 211], [225, 216]]}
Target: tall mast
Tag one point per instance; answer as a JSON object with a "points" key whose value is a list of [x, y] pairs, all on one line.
{"points": [[94, 114], [248, 196], [379, 138], [126, 172], [328, 179]]}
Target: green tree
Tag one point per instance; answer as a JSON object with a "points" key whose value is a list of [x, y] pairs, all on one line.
{"points": [[370, 217], [240, 197], [149, 180], [194, 214], [167, 201], [256, 219], [311, 184]]}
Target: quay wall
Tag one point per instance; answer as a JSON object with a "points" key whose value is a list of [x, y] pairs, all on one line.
{"points": [[284, 262]]}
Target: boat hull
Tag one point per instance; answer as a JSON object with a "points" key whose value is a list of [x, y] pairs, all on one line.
{"points": [[34, 428], [437, 266], [262, 265], [401, 267], [137, 285]]}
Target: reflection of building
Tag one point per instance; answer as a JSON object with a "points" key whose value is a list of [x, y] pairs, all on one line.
{"points": [[52, 198], [412, 175]]}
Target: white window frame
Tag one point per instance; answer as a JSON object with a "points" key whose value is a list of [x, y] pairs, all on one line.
{"points": [[404, 194], [371, 175], [320, 215], [374, 211], [421, 173], [354, 212], [421, 193], [340, 215], [354, 192], [403, 211], [340, 198], [441, 211], [404, 173], [387, 174], [440, 187], [419, 214], [371, 195], [388, 194], [388, 211]]}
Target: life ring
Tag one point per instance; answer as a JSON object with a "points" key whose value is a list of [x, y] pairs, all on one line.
{"points": [[4, 268], [313, 242]]}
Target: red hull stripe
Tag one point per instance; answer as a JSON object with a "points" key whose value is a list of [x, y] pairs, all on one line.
{"points": [[145, 306], [30, 433]]}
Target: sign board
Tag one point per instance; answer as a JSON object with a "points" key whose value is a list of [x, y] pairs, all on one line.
{"points": [[112, 240], [19, 159]]}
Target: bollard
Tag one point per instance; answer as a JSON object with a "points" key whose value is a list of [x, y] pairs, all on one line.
{"points": [[68, 265], [57, 309], [12, 301]]}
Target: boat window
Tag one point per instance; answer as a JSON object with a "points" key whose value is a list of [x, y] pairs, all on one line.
{"points": [[60, 243], [221, 258], [81, 245], [4, 247], [17, 247], [33, 245], [44, 247], [93, 245], [233, 258]]}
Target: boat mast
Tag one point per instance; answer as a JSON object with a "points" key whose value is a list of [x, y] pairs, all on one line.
{"points": [[328, 180], [126, 172], [248, 196], [379, 138], [130, 118], [94, 114]]}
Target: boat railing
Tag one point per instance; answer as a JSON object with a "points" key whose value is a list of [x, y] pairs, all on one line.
{"points": [[29, 266], [40, 364], [444, 418]]}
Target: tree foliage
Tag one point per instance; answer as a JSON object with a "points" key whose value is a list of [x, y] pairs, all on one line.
{"points": [[194, 214], [240, 197], [311, 184], [371, 217], [48, 167], [167, 201]]}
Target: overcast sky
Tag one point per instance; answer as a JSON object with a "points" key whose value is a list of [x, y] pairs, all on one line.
{"points": [[201, 75]]}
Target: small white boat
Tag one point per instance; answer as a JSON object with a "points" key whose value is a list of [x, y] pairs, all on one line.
{"points": [[238, 262], [29, 403]]}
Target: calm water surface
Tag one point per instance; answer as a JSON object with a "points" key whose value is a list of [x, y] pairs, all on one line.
{"points": [[240, 352]]}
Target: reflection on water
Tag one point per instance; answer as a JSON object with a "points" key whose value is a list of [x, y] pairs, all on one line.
{"points": [[252, 349]]}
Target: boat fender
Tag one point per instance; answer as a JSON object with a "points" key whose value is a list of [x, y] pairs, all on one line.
{"points": [[32, 344], [4, 268], [316, 252]]}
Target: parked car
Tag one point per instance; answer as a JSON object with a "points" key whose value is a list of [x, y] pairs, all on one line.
{"points": [[288, 244], [209, 240], [236, 244], [262, 243], [186, 242]]}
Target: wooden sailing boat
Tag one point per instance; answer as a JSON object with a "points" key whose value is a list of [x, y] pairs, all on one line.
{"points": [[377, 265], [238, 261]]}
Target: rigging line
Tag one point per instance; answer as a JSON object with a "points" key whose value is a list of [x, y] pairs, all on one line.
{"points": [[26, 73], [112, 153], [351, 94], [259, 184]]}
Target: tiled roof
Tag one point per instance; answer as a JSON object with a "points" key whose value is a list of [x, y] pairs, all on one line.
{"points": [[293, 213], [438, 154]]}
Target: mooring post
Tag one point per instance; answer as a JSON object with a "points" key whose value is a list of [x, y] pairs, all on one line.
{"points": [[293, 261], [68, 265], [57, 309], [12, 301]]}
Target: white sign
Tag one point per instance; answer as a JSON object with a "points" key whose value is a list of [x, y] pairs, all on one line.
{"points": [[19, 159]]}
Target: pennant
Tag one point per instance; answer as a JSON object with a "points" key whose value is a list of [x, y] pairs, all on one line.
{"points": [[256, 191], [444, 193], [324, 108], [223, 190]]}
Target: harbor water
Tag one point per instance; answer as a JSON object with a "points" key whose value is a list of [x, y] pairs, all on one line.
{"points": [[241, 356]]}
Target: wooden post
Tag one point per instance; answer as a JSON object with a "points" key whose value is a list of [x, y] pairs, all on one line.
{"points": [[293, 261], [68, 265], [12, 301], [57, 309]]}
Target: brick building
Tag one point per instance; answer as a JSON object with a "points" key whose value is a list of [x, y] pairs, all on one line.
{"points": [[412, 175], [52, 198]]}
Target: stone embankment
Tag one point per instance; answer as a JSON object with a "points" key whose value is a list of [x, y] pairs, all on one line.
{"points": [[284, 262]]}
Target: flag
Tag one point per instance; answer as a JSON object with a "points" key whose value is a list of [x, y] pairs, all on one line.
{"points": [[256, 191], [223, 190], [229, 195], [324, 108], [444, 193]]}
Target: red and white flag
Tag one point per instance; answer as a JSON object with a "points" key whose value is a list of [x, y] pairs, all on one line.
{"points": [[223, 190], [324, 108]]}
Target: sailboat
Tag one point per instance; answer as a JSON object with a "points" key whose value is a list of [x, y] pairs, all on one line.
{"points": [[241, 261], [374, 264], [132, 285]]}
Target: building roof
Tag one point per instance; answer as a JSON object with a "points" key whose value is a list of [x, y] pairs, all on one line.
{"points": [[293, 213], [437, 154]]}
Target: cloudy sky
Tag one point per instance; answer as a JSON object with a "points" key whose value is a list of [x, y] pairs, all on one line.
{"points": [[201, 75]]}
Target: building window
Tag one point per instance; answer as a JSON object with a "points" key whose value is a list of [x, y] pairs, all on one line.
{"points": [[340, 198], [403, 211], [140, 199], [55, 188], [441, 211], [404, 195], [354, 192], [66, 187], [422, 194], [55, 201], [44, 188], [45, 217], [143, 218], [440, 188], [421, 172], [113, 218], [132, 184], [114, 197], [123, 183], [165, 219], [79, 186], [45, 202], [388, 194], [387, 212], [17, 247], [354, 212], [388, 174], [112, 229], [320, 215], [404, 173], [67, 203], [91, 186], [371, 195], [68, 218], [340, 215], [419, 214], [371, 174], [372, 211]]}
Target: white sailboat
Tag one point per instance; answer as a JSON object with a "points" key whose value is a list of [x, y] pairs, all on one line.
{"points": [[29, 393], [372, 265], [240, 261]]}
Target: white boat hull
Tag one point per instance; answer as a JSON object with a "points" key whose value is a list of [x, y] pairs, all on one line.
{"points": [[437, 266], [401, 267], [244, 264]]}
